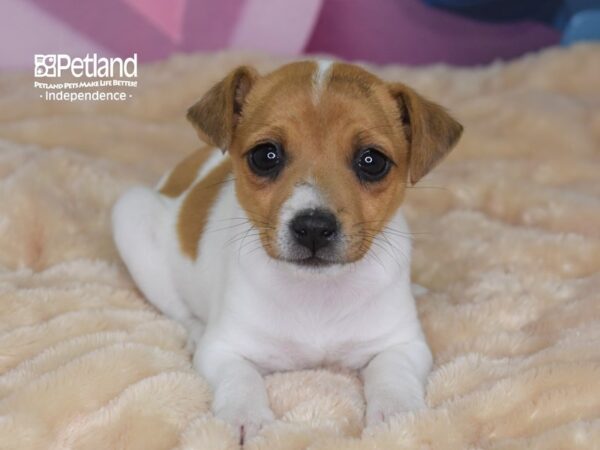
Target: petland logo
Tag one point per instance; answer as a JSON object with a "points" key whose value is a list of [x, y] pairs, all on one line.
{"points": [[91, 78], [91, 66]]}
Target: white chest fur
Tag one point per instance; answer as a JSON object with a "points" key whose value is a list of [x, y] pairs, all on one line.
{"points": [[282, 318]]}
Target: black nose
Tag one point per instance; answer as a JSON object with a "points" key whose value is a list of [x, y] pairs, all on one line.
{"points": [[314, 229]]}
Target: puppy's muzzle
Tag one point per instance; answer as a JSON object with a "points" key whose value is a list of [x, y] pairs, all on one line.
{"points": [[314, 229]]}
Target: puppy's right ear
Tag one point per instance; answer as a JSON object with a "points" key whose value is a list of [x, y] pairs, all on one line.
{"points": [[216, 115]]}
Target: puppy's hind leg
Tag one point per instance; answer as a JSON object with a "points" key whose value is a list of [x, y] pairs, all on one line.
{"points": [[138, 230]]}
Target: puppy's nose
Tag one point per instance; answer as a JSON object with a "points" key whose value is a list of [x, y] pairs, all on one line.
{"points": [[314, 229]]}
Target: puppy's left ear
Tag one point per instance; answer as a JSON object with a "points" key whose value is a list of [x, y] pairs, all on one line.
{"points": [[216, 115], [430, 130]]}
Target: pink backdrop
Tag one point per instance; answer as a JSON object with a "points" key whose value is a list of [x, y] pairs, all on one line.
{"points": [[404, 31]]}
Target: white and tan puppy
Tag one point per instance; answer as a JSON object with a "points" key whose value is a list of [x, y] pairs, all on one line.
{"points": [[283, 247]]}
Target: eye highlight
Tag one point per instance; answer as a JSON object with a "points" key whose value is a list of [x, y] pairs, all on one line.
{"points": [[371, 165], [266, 159]]}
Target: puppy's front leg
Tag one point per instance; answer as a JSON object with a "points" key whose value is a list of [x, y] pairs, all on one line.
{"points": [[239, 392], [394, 380]]}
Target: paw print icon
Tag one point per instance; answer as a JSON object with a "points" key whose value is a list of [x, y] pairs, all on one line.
{"points": [[45, 65]]}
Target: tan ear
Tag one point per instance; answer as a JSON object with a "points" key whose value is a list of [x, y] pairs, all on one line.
{"points": [[216, 115], [430, 130]]}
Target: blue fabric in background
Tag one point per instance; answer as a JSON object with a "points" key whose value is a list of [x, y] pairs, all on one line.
{"points": [[503, 10], [583, 26], [579, 20]]}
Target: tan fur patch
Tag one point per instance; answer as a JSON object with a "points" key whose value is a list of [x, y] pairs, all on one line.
{"points": [[184, 174], [196, 208]]}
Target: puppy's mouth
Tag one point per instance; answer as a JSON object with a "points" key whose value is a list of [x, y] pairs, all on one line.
{"points": [[313, 261]]}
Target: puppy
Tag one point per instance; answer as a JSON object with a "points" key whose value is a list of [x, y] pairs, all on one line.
{"points": [[282, 246]]}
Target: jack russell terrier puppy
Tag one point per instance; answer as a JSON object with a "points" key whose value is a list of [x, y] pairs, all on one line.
{"points": [[282, 246]]}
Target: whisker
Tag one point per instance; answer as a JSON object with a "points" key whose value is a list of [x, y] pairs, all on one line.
{"points": [[396, 249], [385, 245], [237, 237], [390, 231], [258, 247], [218, 183], [229, 227]]}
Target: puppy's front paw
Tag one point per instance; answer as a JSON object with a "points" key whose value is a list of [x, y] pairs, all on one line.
{"points": [[246, 419], [383, 406]]}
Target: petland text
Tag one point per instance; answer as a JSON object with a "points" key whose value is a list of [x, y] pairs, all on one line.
{"points": [[91, 66]]}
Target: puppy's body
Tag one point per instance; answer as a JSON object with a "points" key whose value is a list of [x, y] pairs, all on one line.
{"points": [[220, 249]]}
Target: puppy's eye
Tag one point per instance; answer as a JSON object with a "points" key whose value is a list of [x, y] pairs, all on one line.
{"points": [[266, 160], [371, 165]]}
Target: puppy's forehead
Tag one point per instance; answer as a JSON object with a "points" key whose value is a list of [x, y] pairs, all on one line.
{"points": [[310, 98], [311, 80], [348, 77]]}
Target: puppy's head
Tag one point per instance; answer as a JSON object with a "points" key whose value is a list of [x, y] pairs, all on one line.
{"points": [[322, 153]]}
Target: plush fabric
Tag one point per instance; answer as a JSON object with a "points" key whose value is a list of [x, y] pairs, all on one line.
{"points": [[506, 240]]}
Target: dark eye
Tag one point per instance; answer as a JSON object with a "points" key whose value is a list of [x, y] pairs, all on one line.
{"points": [[371, 165], [266, 160]]}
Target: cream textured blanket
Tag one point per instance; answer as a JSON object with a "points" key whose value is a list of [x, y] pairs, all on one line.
{"points": [[507, 244]]}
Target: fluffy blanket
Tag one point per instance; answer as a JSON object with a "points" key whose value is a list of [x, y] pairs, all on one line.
{"points": [[507, 242]]}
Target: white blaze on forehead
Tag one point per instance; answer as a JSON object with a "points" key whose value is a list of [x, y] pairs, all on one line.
{"points": [[304, 196], [320, 76]]}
